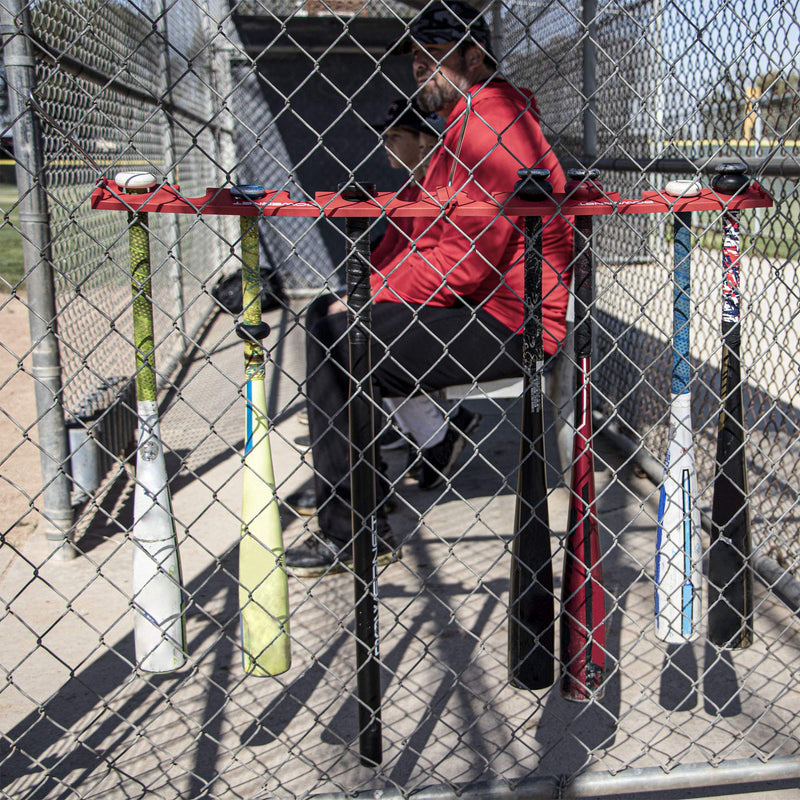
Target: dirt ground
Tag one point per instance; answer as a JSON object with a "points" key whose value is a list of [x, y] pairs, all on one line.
{"points": [[20, 472]]}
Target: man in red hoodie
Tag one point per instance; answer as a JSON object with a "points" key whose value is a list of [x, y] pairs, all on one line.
{"points": [[448, 307]]}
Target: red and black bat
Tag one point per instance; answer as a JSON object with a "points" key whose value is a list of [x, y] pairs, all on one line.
{"points": [[730, 590], [531, 646], [362, 477], [583, 654]]}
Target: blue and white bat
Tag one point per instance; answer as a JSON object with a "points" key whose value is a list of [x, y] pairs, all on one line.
{"points": [[677, 574]]}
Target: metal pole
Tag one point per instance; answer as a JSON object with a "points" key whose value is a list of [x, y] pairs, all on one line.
{"points": [[591, 784], [785, 166], [20, 64], [174, 270], [589, 84]]}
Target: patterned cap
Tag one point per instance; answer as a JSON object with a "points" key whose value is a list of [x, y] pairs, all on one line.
{"points": [[448, 21], [401, 114]]}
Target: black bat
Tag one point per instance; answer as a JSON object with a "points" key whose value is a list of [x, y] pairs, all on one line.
{"points": [[362, 477], [730, 590], [583, 654], [531, 659]]}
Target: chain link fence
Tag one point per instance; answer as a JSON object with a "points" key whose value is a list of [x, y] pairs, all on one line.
{"points": [[288, 95]]}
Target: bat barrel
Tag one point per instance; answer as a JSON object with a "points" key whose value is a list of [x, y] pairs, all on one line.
{"points": [[363, 490]]}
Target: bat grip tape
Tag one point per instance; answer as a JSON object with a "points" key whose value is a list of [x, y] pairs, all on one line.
{"points": [[584, 290], [681, 370]]}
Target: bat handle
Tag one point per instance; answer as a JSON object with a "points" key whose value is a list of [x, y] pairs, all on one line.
{"points": [[533, 185], [363, 491], [252, 330], [681, 369], [532, 341], [584, 287], [583, 184], [141, 289]]}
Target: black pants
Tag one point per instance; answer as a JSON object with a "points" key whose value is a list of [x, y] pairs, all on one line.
{"points": [[412, 348]]}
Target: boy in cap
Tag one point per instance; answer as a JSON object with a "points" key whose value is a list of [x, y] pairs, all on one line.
{"points": [[410, 138], [448, 306]]}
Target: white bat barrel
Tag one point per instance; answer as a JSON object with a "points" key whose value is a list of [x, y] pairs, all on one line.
{"points": [[678, 558], [158, 623]]}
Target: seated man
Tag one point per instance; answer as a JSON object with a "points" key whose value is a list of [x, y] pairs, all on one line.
{"points": [[448, 306]]}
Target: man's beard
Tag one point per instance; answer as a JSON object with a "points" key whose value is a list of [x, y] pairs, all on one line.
{"points": [[433, 96]]}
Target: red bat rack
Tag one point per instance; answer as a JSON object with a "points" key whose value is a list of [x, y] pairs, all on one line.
{"points": [[167, 199]]}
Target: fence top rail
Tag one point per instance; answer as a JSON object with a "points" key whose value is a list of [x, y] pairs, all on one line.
{"points": [[277, 203]]}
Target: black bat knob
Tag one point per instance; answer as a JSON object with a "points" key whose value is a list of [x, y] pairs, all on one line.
{"points": [[730, 178], [533, 184], [356, 190], [581, 176], [248, 191]]}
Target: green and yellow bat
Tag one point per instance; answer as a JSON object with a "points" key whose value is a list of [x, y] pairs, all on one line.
{"points": [[159, 633], [263, 585]]}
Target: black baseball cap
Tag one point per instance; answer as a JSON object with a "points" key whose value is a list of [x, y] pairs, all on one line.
{"points": [[448, 21], [404, 114]]}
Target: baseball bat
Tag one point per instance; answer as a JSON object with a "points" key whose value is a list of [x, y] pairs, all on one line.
{"points": [[263, 584], [677, 569], [730, 589], [583, 622], [531, 624], [362, 477], [159, 631]]}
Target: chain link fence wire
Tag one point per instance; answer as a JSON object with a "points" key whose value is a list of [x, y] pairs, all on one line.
{"points": [[287, 94]]}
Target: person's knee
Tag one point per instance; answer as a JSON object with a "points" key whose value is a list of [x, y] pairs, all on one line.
{"points": [[318, 310], [323, 328]]}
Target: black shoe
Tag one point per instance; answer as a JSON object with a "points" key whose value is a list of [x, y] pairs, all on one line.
{"points": [[466, 421], [318, 556], [391, 439], [438, 461], [304, 502]]}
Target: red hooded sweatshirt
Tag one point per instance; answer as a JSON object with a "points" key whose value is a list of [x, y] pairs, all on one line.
{"points": [[477, 258], [398, 231]]}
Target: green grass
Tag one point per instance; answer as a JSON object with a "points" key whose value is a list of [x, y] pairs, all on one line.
{"points": [[12, 267]]}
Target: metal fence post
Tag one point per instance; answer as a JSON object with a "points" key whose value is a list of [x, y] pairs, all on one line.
{"points": [[56, 508], [589, 82], [175, 270]]}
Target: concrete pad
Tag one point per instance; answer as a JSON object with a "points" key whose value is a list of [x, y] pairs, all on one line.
{"points": [[80, 720]]}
